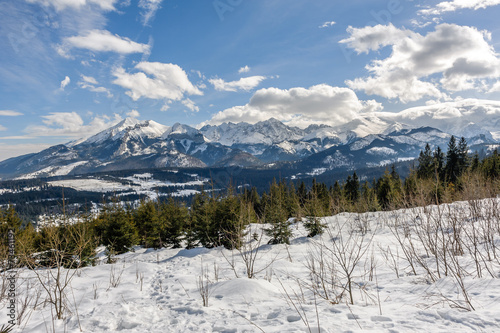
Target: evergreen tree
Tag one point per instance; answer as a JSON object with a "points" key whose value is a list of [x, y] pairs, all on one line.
{"points": [[203, 217], [452, 161], [463, 156], [116, 229], [148, 224], [302, 193], [491, 165], [337, 197], [439, 171], [277, 216], [425, 163], [227, 223], [352, 188], [315, 210], [387, 191], [173, 218], [475, 164]]}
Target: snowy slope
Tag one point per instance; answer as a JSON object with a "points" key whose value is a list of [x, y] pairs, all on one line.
{"points": [[157, 290]]}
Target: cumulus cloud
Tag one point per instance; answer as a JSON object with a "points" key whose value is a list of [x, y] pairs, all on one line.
{"points": [[451, 6], [190, 105], [59, 5], [149, 7], [90, 83], [459, 55], [327, 24], [102, 41], [133, 114], [245, 69], [455, 117], [65, 82], [299, 106], [246, 83], [366, 39], [71, 125], [10, 113], [156, 80]]}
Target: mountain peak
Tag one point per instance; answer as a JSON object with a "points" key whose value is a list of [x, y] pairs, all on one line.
{"points": [[128, 122]]}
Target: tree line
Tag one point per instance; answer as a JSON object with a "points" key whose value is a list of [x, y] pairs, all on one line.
{"points": [[220, 219]]}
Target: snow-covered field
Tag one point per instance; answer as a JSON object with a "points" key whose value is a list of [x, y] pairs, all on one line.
{"points": [[159, 291], [136, 184]]}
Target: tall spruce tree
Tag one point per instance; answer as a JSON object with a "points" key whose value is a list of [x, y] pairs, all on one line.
{"points": [[277, 216], [173, 218], [148, 224], [116, 229], [452, 161], [425, 163], [463, 156]]}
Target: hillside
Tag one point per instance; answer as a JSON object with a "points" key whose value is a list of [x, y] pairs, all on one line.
{"points": [[297, 288]]}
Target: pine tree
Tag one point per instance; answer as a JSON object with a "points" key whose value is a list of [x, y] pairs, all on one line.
{"points": [[203, 217], [463, 156], [439, 171], [228, 223], [425, 163], [277, 216], [352, 188], [315, 210], [387, 191], [148, 224], [173, 218], [116, 229], [475, 164], [452, 161]]}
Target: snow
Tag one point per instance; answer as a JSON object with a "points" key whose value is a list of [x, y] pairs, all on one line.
{"points": [[64, 170], [136, 184], [92, 185], [36, 173], [131, 127], [384, 151], [158, 290], [317, 171]]}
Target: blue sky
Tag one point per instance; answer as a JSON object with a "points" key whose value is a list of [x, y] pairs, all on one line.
{"points": [[70, 68]]}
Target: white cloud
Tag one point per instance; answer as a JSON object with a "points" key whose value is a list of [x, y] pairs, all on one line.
{"points": [[10, 113], [90, 83], [327, 24], [3, 128], [454, 117], [190, 105], [65, 82], [366, 39], [495, 87], [102, 41], [133, 114], [150, 7], [246, 83], [459, 55], [300, 106], [245, 69], [59, 5], [71, 125], [89, 80], [451, 6], [156, 80]]}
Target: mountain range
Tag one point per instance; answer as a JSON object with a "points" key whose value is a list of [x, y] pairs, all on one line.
{"points": [[370, 141]]}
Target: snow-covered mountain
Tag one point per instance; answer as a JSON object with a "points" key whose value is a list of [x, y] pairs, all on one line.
{"points": [[371, 140]]}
